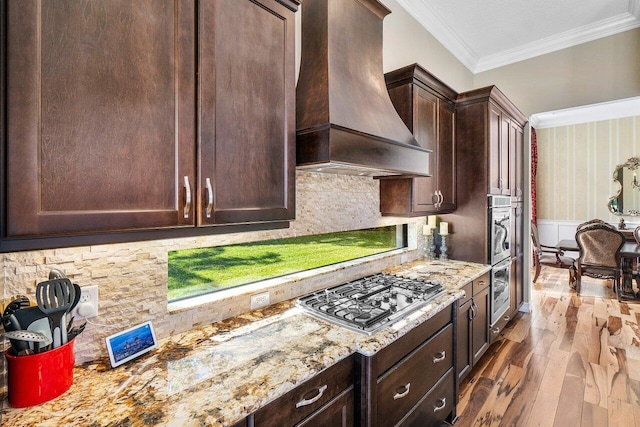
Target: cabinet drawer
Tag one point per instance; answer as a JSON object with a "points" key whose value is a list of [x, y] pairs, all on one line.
{"points": [[403, 385], [307, 397], [468, 289], [433, 408], [337, 413], [480, 283], [391, 354]]}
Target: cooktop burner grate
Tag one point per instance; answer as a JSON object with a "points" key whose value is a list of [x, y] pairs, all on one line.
{"points": [[371, 303]]}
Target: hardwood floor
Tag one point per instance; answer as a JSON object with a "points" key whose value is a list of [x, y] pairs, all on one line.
{"points": [[573, 361]]}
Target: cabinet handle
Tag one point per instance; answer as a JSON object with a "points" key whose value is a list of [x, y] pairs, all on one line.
{"points": [[507, 318], [440, 357], [474, 309], [443, 403], [397, 396], [305, 402], [495, 331], [481, 283], [209, 207], [441, 199], [435, 198], [187, 197]]}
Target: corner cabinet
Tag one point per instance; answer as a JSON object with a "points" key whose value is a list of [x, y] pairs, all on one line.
{"points": [[178, 116], [427, 107]]}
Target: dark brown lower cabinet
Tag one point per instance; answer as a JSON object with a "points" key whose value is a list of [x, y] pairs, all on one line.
{"points": [[337, 413], [433, 408], [480, 327], [241, 423], [410, 377], [463, 336], [324, 400], [472, 338]]}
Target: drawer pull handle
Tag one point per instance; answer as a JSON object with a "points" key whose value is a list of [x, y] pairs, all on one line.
{"points": [[187, 197], [397, 396], [440, 357], [507, 318], [495, 330], [209, 207], [305, 402], [443, 403]]}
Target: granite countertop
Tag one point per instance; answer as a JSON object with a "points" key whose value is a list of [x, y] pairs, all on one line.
{"points": [[219, 374]]}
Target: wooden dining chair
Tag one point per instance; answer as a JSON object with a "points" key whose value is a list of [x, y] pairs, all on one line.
{"points": [[599, 247], [593, 222], [550, 256]]}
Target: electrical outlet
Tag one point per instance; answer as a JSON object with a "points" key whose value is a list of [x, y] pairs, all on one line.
{"points": [[88, 304], [259, 300]]}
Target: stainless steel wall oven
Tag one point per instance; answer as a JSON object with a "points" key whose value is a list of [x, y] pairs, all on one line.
{"points": [[499, 254], [500, 295], [499, 228]]}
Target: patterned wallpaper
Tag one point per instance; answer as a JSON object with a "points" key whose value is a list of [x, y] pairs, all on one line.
{"points": [[575, 167]]}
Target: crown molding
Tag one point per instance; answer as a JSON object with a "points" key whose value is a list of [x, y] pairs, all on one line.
{"points": [[429, 19], [576, 36], [618, 109]]}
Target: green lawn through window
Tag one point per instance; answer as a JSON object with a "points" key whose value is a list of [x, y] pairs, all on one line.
{"points": [[198, 271]]}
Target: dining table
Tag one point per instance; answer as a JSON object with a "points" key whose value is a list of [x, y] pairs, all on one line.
{"points": [[629, 253]]}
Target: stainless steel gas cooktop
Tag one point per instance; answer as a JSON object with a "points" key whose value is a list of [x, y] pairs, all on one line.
{"points": [[371, 303]]}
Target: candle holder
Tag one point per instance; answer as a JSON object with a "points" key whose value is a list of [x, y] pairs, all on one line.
{"points": [[430, 246], [443, 248]]}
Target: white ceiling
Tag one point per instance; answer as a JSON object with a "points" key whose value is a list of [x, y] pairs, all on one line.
{"points": [[491, 33]]}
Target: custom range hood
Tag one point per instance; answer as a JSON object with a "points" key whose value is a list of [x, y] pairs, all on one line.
{"points": [[346, 122]]}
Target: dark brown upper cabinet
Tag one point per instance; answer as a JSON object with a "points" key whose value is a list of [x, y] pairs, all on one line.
{"points": [[100, 119], [505, 145], [147, 115], [427, 107], [247, 111], [489, 150]]}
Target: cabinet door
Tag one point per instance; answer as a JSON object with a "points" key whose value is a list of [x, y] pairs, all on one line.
{"points": [[513, 288], [480, 326], [100, 115], [463, 340], [519, 231], [516, 140], [337, 413], [495, 132], [506, 157], [425, 131], [246, 111], [446, 160]]}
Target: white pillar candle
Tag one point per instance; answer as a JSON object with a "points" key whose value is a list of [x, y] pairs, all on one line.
{"points": [[426, 230], [444, 228], [432, 221]]}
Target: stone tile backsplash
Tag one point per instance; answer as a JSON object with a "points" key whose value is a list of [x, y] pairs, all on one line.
{"points": [[132, 277]]}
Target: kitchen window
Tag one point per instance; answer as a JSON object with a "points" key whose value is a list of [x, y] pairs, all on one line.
{"points": [[195, 272]]}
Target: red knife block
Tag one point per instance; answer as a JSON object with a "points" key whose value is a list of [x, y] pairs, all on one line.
{"points": [[37, 378]]}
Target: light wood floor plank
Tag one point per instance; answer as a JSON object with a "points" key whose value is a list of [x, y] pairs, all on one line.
{"points": [[620, 414], [594, 416]]}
